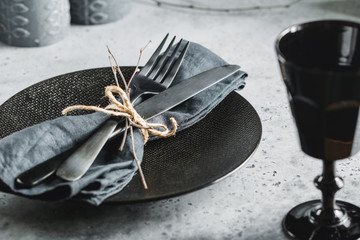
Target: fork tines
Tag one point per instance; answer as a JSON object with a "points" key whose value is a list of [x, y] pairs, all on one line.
{"points": [[163, 68]]}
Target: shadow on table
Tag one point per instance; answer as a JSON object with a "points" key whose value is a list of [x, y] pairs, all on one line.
{"points": [[351, 8], [67, 220], [33, 219]]}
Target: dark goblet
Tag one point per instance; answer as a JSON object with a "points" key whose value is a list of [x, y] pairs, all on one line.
{"points": [[320, 65]]}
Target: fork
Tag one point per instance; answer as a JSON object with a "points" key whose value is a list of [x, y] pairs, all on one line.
{"points": [[77, 164], [157, 75]]}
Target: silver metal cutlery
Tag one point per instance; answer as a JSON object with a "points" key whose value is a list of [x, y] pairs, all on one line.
{"points": [[153, 79], [80, 161], [157, 75]]}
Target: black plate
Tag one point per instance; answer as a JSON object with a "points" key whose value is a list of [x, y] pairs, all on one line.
{"points": [[196, 157]]}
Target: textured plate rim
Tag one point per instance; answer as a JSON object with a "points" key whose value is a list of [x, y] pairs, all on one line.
{"points": [[110, 200]]}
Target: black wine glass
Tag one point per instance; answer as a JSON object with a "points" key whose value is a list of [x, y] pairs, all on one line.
{"points": [[320, 66]]}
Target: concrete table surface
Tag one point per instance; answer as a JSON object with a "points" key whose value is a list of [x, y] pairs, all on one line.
{"points": [[251, 203]]}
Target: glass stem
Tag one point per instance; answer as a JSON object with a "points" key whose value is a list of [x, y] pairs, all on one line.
{"points": [[328, 192], [329, 184]]}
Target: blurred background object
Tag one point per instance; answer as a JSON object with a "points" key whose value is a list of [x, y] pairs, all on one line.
{"points": [[33, 23], [91, 12]]}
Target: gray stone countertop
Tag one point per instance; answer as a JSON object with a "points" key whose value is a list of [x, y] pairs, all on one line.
{"points": [[251, 203]]}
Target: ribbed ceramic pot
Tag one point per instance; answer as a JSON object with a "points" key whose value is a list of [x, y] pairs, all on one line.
{"points": [[90, 12], [33, 23]]}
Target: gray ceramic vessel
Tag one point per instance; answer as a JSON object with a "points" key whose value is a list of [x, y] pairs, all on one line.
{"points": [[33, 23], [91, 12]]}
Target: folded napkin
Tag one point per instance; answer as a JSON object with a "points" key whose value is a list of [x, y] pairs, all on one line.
{"points": [[112, 170]]}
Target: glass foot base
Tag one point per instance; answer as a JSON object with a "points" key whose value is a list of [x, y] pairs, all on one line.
{"points": [[299, 223]]}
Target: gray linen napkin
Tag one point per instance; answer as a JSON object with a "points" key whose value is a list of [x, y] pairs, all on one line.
{"points": [[112, 170]]}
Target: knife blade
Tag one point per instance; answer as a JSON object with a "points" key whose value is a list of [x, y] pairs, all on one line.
{"points": [[80, 160]]}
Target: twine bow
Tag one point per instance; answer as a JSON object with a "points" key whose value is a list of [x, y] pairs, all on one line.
{"points": [[127, 110]]}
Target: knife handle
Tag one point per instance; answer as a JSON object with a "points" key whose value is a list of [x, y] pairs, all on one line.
{"points": [[40, 172]]}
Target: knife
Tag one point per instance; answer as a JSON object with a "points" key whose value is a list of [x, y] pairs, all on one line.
{"points": [[80, 159]]}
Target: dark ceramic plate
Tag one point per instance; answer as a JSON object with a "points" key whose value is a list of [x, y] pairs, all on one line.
{"points": [[196, 157]]}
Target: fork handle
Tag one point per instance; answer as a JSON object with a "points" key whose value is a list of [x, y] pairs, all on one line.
{"points": [[40, 172], [44, 170], [86, 154]]}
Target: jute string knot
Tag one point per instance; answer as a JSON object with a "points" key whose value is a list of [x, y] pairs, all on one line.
{"points": [[127, 110]]}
